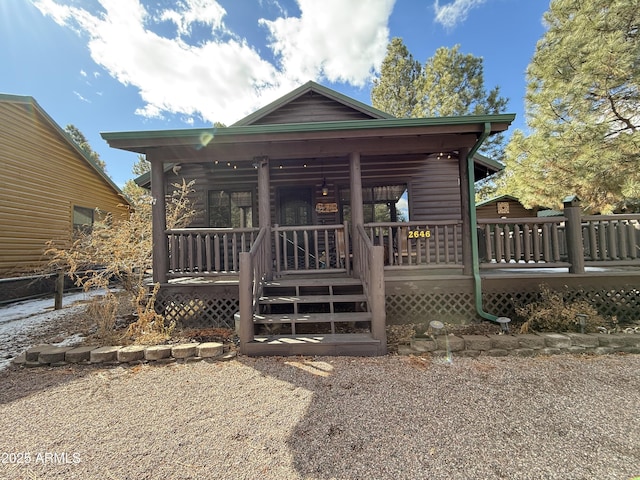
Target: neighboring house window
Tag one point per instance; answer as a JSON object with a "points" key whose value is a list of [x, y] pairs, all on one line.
{"points": [[82, 218], [230, 209], [384, 203]]}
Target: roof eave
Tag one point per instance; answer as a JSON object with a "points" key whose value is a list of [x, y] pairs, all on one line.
{"points": [[138, 141]]}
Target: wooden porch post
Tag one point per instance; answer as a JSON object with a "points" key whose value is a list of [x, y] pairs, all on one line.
{"points": [[377, 298], [466, 206], [264, 206], [159, 222], [573, 227], [357, 213]]}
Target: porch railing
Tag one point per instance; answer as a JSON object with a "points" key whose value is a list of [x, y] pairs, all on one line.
{"points": [[311, 248], [254, 267], [433, 244], [369, 261], [614, 239], [207, 251], [522, 242]]}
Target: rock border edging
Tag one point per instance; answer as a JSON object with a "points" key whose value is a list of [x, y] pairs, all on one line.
{"points": [[55, 356], [523, 345]]}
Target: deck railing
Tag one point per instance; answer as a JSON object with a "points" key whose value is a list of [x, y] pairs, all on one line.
{"points": [[310, 247], [614, 239], [207, 251], [434, 244], [607, 240], [522, 242], [254, 268]]}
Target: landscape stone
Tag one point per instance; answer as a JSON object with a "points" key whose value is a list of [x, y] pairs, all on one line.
{"points": [[450, 343], [131, 353], [78, 354], [53, 354], [584, 340], [504, 342], [530, 340], [157, 352], [630, 349], [209, 349], [469, 353], [603, 350], [556, 340], [576, 349], [423, 345], [105, 354], [523, 352], [184, 350], [476, 342], [34, 352], [406, 350], [550, 351], [496, 352]]}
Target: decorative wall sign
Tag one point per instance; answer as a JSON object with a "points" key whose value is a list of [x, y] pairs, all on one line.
{"points": [[326, 207]]}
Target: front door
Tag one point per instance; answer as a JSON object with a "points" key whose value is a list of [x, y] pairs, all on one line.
{"points": [[295, 206], [295, 210]]}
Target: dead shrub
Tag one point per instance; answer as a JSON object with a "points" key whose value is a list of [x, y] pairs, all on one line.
{"points": [[553, 313], [150, 326]]}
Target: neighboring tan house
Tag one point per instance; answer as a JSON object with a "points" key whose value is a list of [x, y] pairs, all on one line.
{"points": [[323, 220], [504, 206], [48, 186]]}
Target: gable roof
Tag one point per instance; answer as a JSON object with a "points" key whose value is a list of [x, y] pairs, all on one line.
{"points": [[302, 94], [501, 198], [31, 102]]}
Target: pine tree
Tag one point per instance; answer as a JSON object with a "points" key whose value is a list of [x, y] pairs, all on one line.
{"points": [[78, 137], [583, 99], [395, 91]]}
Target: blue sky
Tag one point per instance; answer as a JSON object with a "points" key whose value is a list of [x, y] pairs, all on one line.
{"points": [[124, 65]]}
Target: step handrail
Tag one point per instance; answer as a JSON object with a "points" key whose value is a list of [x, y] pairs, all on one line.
{"points": [[253, 272]]}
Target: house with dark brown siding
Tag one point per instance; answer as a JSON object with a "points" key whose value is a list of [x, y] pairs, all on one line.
{"points": [[323, 220]]}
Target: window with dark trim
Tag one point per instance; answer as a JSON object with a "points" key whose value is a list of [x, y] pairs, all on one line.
{"points": [[230, 209], [380, 203], [83, 218]]}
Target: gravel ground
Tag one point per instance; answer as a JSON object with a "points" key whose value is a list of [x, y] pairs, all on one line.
{"points": [[564, 417]]}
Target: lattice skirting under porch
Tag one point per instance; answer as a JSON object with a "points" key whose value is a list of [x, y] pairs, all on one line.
{"points": [[617, 296], [201, 306], [198, 307], [610, 297]]}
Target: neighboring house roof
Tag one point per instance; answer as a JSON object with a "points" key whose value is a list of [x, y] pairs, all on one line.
{"points": [[501, 198], [30, 101]]}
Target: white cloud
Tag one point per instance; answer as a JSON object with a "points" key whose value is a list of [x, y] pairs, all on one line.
{"points": [[343, 41], [454, 13], [81, 97], [221, 77], [189, 12]]}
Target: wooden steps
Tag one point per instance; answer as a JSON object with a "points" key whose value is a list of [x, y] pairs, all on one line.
{"points": [[345, 344], [313, 316]]}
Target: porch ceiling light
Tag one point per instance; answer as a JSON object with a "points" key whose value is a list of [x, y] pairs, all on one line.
{"points": [[325, 188]]}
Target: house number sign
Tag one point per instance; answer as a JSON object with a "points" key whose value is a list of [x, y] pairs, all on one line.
{"points": [[326, 207], [419, 234]]}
